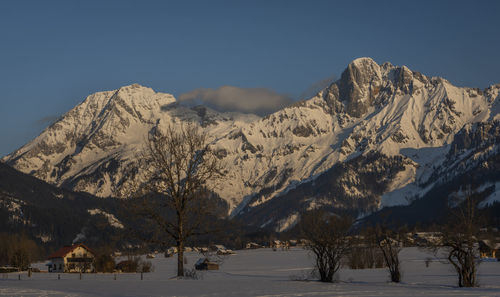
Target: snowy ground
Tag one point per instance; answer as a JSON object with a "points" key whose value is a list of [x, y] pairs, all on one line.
{"points": [[260, 273]]}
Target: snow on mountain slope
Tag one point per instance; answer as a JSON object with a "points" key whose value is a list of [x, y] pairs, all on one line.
{"points": [[372, 108], [94, 147], [492, 198], [112, 220], [387, 109]]}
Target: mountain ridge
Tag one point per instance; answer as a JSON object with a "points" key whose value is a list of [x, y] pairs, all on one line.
{"points": [[372, 109]]}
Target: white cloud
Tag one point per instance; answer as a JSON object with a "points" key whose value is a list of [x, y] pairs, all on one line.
{"points": [[260, 101]]}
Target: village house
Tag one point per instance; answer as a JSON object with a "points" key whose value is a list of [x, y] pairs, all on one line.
{"points": [[72, 258], [276, 244], [253, 245], [170, 252], [220, 249], [126, 266], [425, 238], [489, 249]]}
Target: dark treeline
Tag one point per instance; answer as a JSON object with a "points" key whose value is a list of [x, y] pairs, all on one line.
{"points": [[36, 219], [18, 250]]}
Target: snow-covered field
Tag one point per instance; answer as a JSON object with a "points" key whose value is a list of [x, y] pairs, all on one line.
{"points": [[261, 273]]}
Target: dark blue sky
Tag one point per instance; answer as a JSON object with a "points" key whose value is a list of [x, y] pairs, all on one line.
{"points": [[54, 53]]}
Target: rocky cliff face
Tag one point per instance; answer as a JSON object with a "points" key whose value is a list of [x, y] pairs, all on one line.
{"points": [[406, 119]]}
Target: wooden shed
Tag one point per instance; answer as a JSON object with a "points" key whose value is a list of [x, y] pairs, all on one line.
{"points": [[205, 264]]}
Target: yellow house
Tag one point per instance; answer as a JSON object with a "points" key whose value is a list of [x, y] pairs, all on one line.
{"points": [[489, 249], [72, 258]]}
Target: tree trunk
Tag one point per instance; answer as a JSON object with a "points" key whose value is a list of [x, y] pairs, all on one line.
{"points": [[180, 258], [180, 249]]}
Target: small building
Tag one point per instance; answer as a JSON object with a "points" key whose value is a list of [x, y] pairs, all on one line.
{"points": [[220, 249], [170, 252], [276, 244], [126, 266], [425, 238], [253, 245], [489, 249], [72, 258], [217, 247], [303, 242], [8, 269], [205, 264]]}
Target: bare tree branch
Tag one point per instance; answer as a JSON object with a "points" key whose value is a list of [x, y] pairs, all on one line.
{"points": [[328, 240], [459, 237], [181, 167]]}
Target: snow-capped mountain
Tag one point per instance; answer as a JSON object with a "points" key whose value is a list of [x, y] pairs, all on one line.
{"points": [[379, 136]]}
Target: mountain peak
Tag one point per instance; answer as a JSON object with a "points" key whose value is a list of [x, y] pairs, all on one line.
{"points": [[136, 95], [361, 71], [356, 83], [134, 90], [134, 87], [363, 61]]}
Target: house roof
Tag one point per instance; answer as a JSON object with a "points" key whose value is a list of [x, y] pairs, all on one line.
{"points": [[201, 261], [218, 246], [124, 263], [491, 245], [253, 243], [62, 252]]}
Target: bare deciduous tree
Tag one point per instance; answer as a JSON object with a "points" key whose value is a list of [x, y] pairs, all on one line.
{"points": [[180, 166], [460, 238], [328, 239], [390, 245]]}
